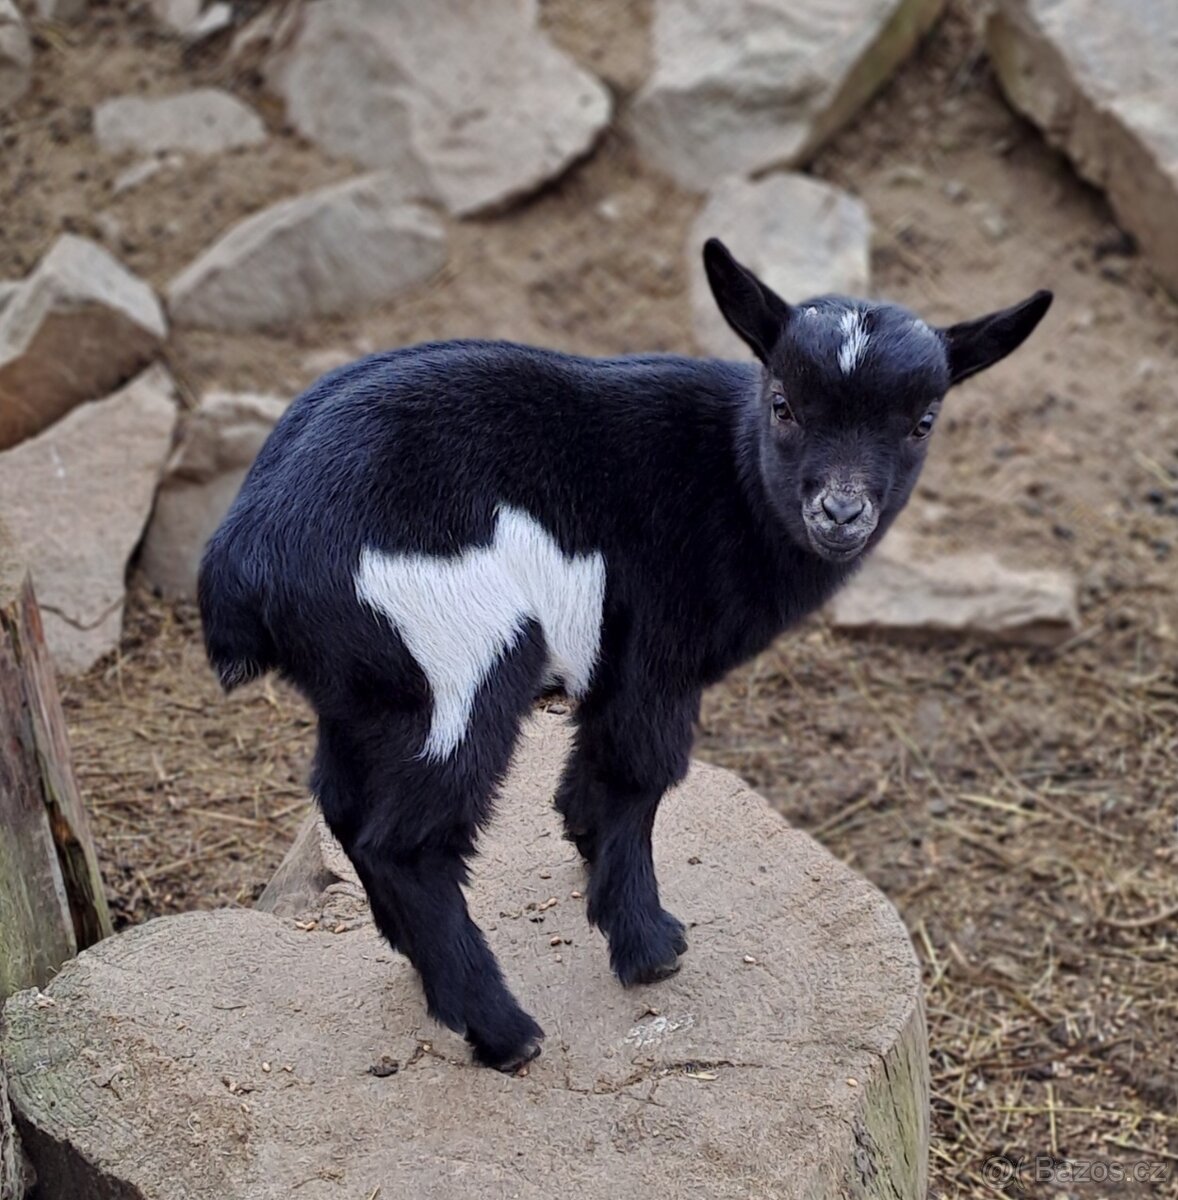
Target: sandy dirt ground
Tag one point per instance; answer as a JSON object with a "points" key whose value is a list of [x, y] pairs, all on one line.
{"points": [[1019, 807]]}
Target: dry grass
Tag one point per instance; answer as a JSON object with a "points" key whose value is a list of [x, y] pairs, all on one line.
{"points": [[195, 797], [1021, 809]]}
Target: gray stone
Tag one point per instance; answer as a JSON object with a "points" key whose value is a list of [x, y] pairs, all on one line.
{"points": [[16, 55], [465, 98], [1100, 78], [227, 1054], [968, 595], [213, 20], [137, 174], [62, 10], [179, 16], [78, 326], [75, 499], [219, 442], [748, 85], [801, 236], [328, 253], [204, 121]]}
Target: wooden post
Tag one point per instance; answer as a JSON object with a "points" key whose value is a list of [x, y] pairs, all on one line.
{"points": [[51, 899]]}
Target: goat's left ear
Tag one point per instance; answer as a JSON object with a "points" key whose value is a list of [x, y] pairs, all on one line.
{"points": [[975, 345]]}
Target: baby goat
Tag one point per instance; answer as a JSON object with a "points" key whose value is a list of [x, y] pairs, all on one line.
{"points": [[432, 537]]}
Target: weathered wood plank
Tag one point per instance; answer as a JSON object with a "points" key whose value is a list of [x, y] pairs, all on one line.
{"points": [[12, 1171], [51, 898]]}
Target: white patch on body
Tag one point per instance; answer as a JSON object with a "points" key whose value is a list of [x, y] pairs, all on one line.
{"points": [[458, 616], [855, 339]]}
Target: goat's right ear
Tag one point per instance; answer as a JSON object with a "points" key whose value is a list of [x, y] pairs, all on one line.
{"points": [[755, 311]]}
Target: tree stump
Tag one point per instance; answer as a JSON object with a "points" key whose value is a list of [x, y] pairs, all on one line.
{"points": [[237, 1055], [51, 899]]}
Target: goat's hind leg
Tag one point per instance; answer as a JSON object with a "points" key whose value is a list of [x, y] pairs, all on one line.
{"points": [[409, 824]]}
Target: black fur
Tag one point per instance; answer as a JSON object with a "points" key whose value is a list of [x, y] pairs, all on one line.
{"points": [[707, 487]]}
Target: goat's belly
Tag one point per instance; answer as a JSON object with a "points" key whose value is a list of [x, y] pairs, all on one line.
{"points": [[459, 616]]}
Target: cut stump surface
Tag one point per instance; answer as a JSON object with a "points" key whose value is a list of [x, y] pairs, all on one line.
{"points": [[227, 1054]]}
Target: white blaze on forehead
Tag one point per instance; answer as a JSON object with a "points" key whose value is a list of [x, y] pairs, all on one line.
{"points": [[459, 616], [855, 338]]}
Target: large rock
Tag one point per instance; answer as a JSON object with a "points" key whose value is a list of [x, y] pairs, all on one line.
{"points": [[203, 121], [331, 252], [467, 98], [16, 55], [747, 85], [971, 595], [75, 499], [78, 326], [802, 236], [219, 442], [1100, 77], [227, 1054]]}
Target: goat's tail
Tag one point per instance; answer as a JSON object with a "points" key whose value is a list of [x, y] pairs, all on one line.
{"points": [[237, 641]]}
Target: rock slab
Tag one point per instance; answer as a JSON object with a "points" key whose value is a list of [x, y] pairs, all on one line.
{"points": [[467, 98], [218, 444], [803, 237], [16, 55], [972, 595], [203, 121], [227, 1054], [328, 253], [749, 85], [77, 327], [75, 500], [1100, 78]]}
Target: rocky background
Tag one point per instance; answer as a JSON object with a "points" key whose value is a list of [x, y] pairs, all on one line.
{"points": [[207, 205]]}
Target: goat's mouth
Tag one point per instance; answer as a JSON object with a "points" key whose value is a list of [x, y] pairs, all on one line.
{"points": [[839, 543], [836, 551]]}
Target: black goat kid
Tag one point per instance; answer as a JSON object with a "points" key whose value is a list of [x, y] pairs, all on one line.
{"points": [[434, 536]]}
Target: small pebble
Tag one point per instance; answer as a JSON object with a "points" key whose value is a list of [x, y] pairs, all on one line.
{"points": [[852, 1082], [555, 940], [994, 227], [266, 1067], [748, 958], [575, 895], [384, 1067], [545, 874]]}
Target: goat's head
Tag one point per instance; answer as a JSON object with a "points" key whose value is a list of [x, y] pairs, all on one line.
{"points": [[850, 391]]}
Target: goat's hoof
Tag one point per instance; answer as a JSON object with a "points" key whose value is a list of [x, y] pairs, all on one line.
{"points": [[509, 1049], [657, 958], [678, 932]]}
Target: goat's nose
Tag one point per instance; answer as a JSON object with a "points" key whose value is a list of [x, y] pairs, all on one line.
{"points": [[842, 510]]}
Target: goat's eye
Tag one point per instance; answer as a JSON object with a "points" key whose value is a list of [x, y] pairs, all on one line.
{"points": [[925, 425], [781, 409]]}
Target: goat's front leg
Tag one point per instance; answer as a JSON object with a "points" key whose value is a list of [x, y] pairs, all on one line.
{"points": [[628, 751]]}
